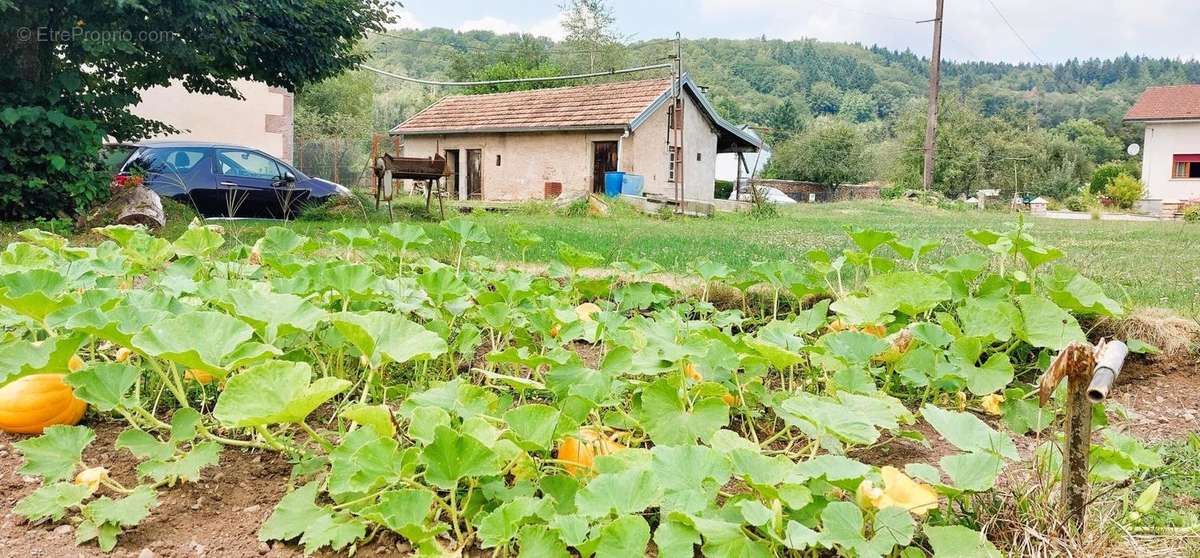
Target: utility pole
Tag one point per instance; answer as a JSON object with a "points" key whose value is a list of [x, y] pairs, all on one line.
{"points": [[677, 122], [931, 123]]}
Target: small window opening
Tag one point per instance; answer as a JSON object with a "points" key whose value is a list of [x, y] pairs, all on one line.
{"points": [[697, 156], [497, 159]]}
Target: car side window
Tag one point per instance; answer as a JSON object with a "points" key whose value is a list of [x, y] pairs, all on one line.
{"points": [[247, 164], [163, 160]]}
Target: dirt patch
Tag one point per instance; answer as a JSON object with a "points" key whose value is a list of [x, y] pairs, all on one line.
{"points": [[216, 517], [1162, 397], [220, 516]]}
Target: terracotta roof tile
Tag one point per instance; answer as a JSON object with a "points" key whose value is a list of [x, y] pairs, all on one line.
{"points": [[1169, 102], [601, 105]]}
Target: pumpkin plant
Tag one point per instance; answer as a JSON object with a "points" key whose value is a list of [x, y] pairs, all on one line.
{"points": [[462, 404]]}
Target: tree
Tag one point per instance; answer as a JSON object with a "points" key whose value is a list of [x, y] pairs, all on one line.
{"points": [[592, 36], [824, 98], [332, 117], [81, 64], [857, 106], [528, 57], [832, 152], [1095, 141]]}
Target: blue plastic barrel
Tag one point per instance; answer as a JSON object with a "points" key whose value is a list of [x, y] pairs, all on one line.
{"points": [[612, 183], [633, 185]]}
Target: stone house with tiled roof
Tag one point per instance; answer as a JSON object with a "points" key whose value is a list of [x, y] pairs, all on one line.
{"points": [[1171, 154], [532, 144]]}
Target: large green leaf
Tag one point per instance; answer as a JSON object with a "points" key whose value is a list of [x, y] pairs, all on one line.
{"points": [[966, 432], [25, 358], [1044, 324], [119, 325], [689, 476], [104, 385], [35, 293], [404, 511], [995, 319], [453, 456], [384, 337], [51, 501], [275, 314], [625, 536], [210, 341], [956, 541], [533, 424], [630, 491], [363, 462], [975, 471], [56, 453], [912, 292], [274, 392], [1071, 290], [666, 417]]}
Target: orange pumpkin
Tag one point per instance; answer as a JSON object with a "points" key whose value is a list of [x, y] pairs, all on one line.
{"points": [[579, 452], [31, 403], [689, 370], [123, 354], [730, 399], [554, 330], [199, 376]]}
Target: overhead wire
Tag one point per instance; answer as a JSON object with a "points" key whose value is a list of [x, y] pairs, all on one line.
{"points": [[462, 47], [1014, 32], [514, 80]]}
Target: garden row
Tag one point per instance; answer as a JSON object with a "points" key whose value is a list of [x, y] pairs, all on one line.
{"points": [[465, 404]]}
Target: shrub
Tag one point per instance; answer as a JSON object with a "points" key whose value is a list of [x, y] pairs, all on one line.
{"points": [[49, 164], [1106, 173], [1082, 201], [1191, 213], [1124, 190]]}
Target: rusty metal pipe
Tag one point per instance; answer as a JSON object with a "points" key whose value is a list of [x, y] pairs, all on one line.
{"points": [[1108, 367]]}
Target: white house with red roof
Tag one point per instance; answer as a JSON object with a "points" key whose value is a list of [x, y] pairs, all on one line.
{"points": [[542, 143], [1171, 154]]}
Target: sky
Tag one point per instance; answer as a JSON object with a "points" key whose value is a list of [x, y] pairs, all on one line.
{"points": [[1036, 30]]}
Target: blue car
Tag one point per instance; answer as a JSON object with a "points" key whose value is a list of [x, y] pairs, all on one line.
{"points": [[221, 180]]}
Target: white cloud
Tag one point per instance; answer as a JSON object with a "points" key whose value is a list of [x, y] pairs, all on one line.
{"points": [[549, 27], [406, 20], [489, 23], [1055, 30]]}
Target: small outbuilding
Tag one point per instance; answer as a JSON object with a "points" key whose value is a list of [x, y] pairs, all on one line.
{"points": [[528, 145]]}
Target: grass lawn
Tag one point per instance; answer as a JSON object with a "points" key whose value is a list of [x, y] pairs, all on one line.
{"points": [[1140, 263]]}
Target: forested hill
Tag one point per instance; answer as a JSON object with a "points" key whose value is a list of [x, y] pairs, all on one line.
{"points": [[780, 84]]}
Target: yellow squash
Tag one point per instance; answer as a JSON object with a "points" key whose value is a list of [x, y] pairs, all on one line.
{"points": [[579, 452], [30, 404]]}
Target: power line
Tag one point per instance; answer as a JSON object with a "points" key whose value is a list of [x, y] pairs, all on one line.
{"points": [[515, 80], [1014, 31], [461, 47]]}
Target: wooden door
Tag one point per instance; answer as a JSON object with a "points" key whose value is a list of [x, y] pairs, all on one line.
{"points": [[474, 174], [455, 180], [604, 159]]}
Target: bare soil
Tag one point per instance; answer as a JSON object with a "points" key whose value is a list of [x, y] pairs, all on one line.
{"points": [[220, 516]]}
